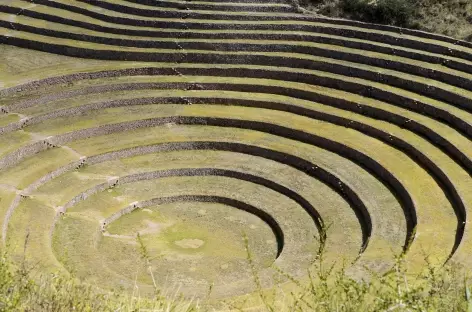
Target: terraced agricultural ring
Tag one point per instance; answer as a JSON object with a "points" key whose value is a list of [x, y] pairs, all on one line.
{"points": [[207, 132]]}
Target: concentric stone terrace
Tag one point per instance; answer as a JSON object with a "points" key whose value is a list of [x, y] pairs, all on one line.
{"points": [[198, 123]]}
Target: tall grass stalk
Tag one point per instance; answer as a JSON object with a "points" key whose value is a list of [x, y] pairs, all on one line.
{"points": [[325, 288]]}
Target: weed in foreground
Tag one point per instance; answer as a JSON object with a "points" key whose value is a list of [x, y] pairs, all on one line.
{"points": [[436, 288]]}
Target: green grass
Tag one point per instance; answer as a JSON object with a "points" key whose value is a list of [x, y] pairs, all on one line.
{"points": [[33, 168], [444, 288], [5, 119], [31, 224], [13, 141], [23, 290]]}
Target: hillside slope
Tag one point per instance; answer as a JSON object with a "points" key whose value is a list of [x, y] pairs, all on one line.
{"points": [[448, 17]]}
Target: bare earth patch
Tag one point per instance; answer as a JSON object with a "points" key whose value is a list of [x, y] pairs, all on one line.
{"points": [[190, 243]]}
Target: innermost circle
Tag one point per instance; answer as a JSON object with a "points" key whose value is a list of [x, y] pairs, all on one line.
{"points": [[189, 243], [196, 245], [192, 244]]}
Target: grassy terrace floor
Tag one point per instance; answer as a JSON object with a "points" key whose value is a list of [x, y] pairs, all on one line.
{"points": [[140, 144]]}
